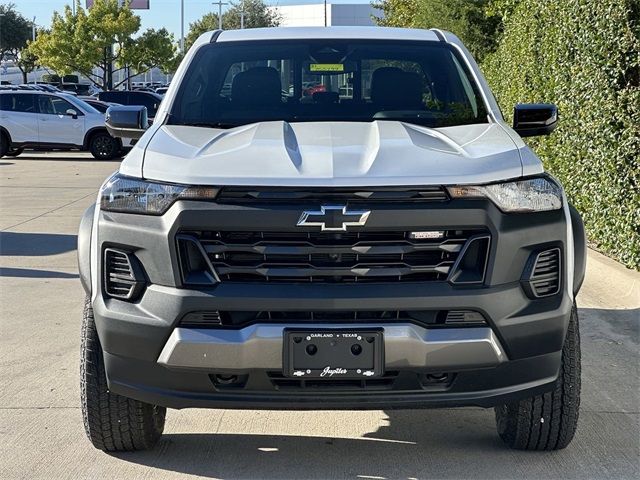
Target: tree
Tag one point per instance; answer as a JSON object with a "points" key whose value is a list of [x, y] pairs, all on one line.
{"points": [[16, 32], [102, 38], [256, 14], [27, 62], [397, 13], [154, 48], [471, 20], [582, 55]]}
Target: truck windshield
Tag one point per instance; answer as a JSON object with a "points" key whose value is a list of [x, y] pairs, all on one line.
{"points": [[231, 84]]}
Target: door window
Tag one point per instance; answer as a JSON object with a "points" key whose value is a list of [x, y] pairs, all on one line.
{"points": [[17, 103], [51, 105]]}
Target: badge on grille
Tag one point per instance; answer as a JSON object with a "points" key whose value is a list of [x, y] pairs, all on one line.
{"points": [[334, 218]]}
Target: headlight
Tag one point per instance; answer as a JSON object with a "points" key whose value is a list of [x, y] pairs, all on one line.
{"points": [[532, 195], [131, 195]]}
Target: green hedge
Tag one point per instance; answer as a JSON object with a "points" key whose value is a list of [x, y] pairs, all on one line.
{"points": [[583, 55]]}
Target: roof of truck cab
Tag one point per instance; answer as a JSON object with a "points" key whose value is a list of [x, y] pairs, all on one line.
{"points": [[306, 33]]}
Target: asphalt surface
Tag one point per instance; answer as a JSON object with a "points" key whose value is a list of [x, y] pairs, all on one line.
{"points": [[42, 197]]}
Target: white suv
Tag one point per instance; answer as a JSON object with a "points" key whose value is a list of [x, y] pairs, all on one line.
{"points": [[35, 119]]}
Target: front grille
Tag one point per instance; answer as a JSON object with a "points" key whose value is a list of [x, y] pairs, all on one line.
{"points": [[238, 256], [424, 318]]}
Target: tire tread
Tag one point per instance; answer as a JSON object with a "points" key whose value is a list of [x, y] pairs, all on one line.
{"points": [[112, 422], [547, 421]]}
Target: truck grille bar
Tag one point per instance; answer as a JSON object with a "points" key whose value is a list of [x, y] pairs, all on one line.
{"points": [[263, 256]]}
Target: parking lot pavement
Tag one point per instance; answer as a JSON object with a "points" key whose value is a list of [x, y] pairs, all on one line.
{"points": [[41, 436]]}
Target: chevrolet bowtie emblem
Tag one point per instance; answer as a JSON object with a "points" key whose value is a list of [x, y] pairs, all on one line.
{"points": [[333, 218]]}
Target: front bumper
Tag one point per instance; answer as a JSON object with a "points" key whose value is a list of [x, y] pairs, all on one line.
{"points": [[150, 357], [406, 346]]}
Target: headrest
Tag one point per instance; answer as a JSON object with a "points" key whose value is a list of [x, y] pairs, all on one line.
{"points": [[258, 86], [395, 88]]}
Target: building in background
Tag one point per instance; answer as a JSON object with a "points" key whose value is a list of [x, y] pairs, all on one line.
{"points": [[313, 15]]}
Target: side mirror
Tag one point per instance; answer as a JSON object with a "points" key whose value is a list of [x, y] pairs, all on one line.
{"points": [[531, 119], [126, 121], [72, 113]]}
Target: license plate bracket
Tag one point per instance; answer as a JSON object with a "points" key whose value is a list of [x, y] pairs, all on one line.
{"points": [[333, 354]]}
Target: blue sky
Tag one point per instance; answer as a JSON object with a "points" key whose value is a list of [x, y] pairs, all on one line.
{"points": [[163, 13]]}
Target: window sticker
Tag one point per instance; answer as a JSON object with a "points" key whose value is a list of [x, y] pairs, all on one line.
{"points": [[326, 67]]}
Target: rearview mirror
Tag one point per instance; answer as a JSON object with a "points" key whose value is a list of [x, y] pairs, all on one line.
{"points": [[127, 121], [72, 113], [531, 119]]}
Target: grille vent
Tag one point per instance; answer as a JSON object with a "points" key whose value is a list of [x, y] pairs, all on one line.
{"points": [[464, 317], [544, 279], [121, 279], [201, 319], [424, 318]]}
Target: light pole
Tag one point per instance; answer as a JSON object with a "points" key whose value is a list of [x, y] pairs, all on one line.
{"points": [[325, 13], [242, 15], [182, 26], [220, 3], [33, 39], [1, 51]]}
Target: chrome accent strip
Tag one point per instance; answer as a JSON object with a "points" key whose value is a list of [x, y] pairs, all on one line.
{"points": [[260, 346]]}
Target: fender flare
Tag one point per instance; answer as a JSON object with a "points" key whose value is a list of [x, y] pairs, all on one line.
{"points": [[6, 132], [84, 248], [579, 249]]}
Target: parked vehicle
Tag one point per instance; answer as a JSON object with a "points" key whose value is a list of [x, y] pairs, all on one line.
{"points": [[98, 104], [150, 100], [11, 87], [77, 88], [399, 248], [43, 120], [48, 88], [145, 89]]}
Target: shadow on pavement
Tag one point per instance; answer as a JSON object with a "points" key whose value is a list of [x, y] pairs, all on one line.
{"points": [[35, 244], [5, 163], [413, 444], [30, 273], [64, 157]]}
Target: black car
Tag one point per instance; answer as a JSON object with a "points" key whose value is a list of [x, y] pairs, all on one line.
{"points": [[150, 100], [98, 104]]}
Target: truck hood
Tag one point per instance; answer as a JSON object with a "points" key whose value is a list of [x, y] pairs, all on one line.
{"points": [[331, 154]]}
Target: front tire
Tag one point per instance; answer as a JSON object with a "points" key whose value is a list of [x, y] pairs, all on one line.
{"points": [[113, 423], [103, 146], [14, 152], [4, 144], [547, 421]]}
